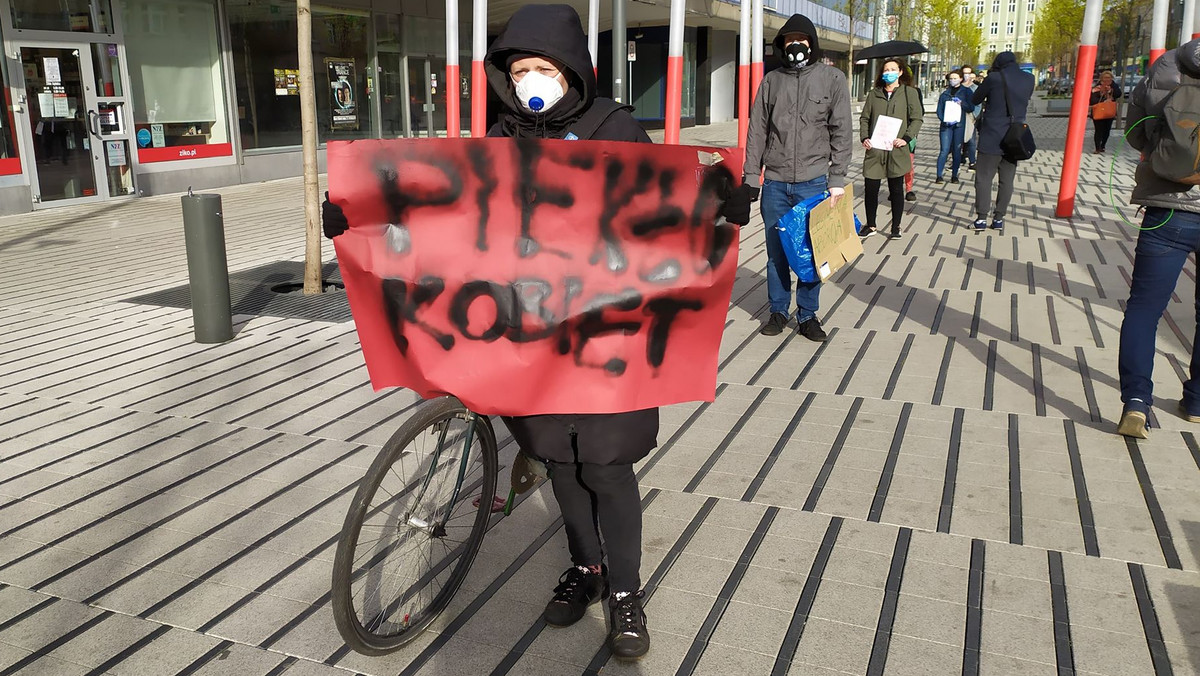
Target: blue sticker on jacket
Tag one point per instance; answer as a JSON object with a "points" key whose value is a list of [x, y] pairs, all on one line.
{"points": [[570, 137]]}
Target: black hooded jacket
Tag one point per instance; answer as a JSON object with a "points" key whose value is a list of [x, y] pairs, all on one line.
{"points": [[799, 23], [554, 32], [1003, 105]]}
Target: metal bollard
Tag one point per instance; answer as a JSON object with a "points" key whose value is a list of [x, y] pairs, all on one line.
{"points": [[208, 274]]}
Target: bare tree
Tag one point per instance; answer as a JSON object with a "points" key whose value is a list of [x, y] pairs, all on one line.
{"points": [[308, 132]]}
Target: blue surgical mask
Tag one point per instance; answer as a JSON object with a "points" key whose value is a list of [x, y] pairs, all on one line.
{"points": [[891, 77]]}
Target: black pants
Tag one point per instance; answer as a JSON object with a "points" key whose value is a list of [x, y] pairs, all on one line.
{"points": [[595, 498], [985, 173], [1103, 129], [895, 196]]}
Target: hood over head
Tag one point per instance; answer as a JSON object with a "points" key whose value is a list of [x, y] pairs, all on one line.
{"points": [[1004, 59], [549, 31], [799, 23], [1188, 55]]}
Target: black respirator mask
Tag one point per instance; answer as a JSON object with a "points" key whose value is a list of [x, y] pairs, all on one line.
{"points": [[796, 54]]}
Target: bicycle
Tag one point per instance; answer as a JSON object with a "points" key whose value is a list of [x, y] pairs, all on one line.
{"points": [[391, 586]]}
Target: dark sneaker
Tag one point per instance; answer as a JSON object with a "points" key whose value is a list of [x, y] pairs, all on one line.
{"points": [[998, 224], [910, 196], [895, 234], [576, 591], [954, 179], [971, 166], [867, 231], [1186, 413], [1133, 420], [938, 180], [981, 224], [811, 329], [628, 637], [775, 324]]}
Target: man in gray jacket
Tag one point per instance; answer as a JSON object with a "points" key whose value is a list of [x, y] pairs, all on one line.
{"points": [[801, 133], [1170, 232]]}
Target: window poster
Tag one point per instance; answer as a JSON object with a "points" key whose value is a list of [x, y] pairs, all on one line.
{"points": [[343, 100], [287, 82]]}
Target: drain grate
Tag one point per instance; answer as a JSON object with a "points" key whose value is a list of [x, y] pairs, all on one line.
{"points": [[250, 294]]}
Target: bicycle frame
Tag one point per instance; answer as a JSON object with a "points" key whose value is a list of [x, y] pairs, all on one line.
{"points": [[469, 438]]}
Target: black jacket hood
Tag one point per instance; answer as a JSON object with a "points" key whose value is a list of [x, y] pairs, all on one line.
{"points": [[551, 31], [1004, 59], [799, 23]]}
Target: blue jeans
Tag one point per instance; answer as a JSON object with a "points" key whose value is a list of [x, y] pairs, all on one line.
{"points": [[951, 144], [778, 198], [1158, 260]]}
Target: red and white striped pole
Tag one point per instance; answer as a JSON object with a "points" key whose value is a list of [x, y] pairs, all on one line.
{"points": [[744, 93], [594, 31], [1196, 26], [674, 74], [1158, 31], [1085, 64], [478, 74], [452, 108], [756, 48]]}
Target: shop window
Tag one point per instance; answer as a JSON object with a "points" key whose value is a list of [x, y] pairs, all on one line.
{"points": [[176, 87], [64, 15], [263, 37]]}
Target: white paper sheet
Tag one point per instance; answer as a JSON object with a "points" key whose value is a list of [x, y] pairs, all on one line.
{"points": [[952, 112], [887, 130]]}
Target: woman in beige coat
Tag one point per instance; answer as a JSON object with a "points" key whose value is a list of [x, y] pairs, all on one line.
{"points": [[893, 99]]}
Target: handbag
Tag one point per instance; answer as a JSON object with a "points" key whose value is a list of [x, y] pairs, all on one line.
{"points": [[1105, 110], [1017, 144]]}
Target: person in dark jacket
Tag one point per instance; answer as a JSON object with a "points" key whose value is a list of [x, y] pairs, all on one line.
{"points": [[892, 99], [1170, 233], [801, 133], [1005, 95], [951, 131], [1104, 91], [540, 68]]}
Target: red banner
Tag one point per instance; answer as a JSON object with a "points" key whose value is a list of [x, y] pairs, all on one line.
{"points": [[174, 153], [531, 276]]}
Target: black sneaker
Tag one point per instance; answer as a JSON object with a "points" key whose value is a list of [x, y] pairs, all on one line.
{"points": [[971, 166], [811, 329], [628, 637], [774, 325], [576, 591], [998, 224], [981, 224], [938, 180], [954, 179], [910, 196], [867, 231], [895, 234]]}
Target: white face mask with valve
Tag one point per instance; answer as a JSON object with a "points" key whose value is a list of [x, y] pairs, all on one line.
{"points": [[538, 93]]}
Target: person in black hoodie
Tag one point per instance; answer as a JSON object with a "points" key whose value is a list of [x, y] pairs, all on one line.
{"points": [[1005, 95], [542, 72]]}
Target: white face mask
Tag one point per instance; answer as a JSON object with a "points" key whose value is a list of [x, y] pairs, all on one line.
{"points": [[538, 93], [954, 82]]}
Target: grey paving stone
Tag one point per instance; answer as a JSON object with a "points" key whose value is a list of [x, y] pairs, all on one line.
{"points": [[914, 657], [1017, 636], [241, 659], [1109, 653], [719, 660], [833, 645], [104, 641]]}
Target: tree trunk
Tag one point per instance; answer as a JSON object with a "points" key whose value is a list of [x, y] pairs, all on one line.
{"points": [[308, 133]]}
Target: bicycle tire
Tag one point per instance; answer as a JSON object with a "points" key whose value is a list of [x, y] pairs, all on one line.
{"points": [[432, 418]]}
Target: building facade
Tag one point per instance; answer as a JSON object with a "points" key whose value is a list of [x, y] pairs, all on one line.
{"points": [[111, 99], [1007, 26]]}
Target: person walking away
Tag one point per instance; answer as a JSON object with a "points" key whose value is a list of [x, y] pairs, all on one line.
{"points": [[970, 133], [1104, 109], [892, 99], [953, 108], [906, 78], [541, 70], [1170, 230], [1005, 95], [800, 134]]}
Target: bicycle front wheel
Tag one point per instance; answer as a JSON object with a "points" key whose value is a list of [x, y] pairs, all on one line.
{"points": [[414, 527]]}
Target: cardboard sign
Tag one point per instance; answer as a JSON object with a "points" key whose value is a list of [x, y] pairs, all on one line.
{"points": [[530, 276], [831, 232]]}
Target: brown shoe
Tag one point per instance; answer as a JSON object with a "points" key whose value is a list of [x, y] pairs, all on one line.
{"points": [[1133, 424]]}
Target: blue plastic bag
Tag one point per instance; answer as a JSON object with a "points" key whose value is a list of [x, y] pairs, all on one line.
{"points": [[793, 231]]}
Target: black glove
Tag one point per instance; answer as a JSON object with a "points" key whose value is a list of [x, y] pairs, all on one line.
{"points": [[333, 219], [736, 209]]}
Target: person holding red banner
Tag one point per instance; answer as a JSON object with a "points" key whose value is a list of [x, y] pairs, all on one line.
{"points": [[541, 71], [801, 133]]}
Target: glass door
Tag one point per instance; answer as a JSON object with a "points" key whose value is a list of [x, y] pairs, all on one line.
{"points": [[76, 129]]}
